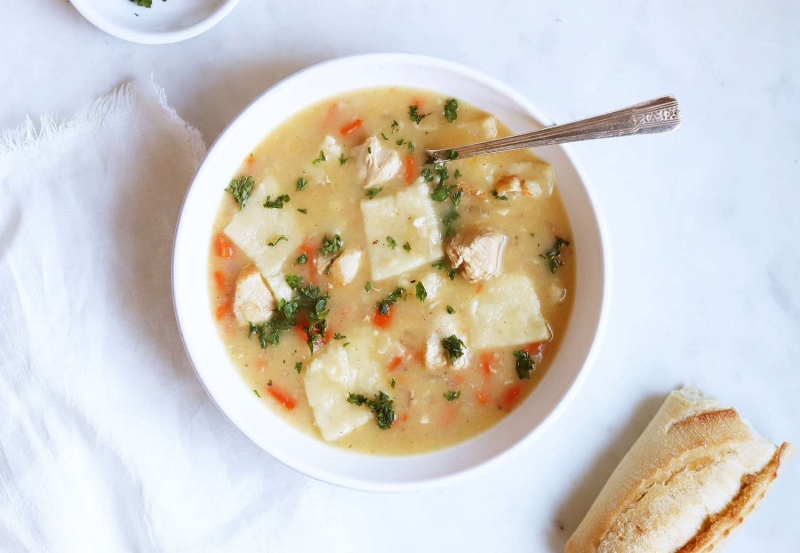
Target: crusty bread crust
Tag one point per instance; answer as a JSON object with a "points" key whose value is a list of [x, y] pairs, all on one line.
{"points": [[689, 479]]}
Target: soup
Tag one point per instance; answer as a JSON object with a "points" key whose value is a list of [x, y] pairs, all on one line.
{"points": [[377, 301]]}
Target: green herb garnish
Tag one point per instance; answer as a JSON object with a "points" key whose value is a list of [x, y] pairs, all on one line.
{"points": [[276, 242], [368, 286], [320, 158], [395, 126], [342, 159], [498, 196], [241, 189], [256, 393], [391, 242], [338, 336], [525, 365], [372, 192], [407, 247], [331, 246], [278, 202], [448, 219], [304, 211], [451, 110], [301, 184], [414, 115], [381, 405], [298, 367], [422, 293], [454, 346], [393, 384], [294, 281], [450, 310], [384, 305], [302, 260], [452, 395], [553, 255]]}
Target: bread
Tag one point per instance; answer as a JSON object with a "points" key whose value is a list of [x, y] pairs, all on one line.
{"points": [[688, 481]]}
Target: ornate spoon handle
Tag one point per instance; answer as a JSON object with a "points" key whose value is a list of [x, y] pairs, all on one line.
{"points": [[654, 116]]}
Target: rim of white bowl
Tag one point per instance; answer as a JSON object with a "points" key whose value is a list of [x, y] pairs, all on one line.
{"points": [[566, 399], [87, 10]]}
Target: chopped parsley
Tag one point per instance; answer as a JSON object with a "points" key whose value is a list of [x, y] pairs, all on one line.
{"points": [[241, 189], [342, 159], [256, 393], [452, 395], [395, 126], [304, 211], [407, 247], [331, 246], [415, 116], [454, 346], [294, 281], [278, 202], [498, 196], [276, 242], [411, 146], [383, 135], [451, 110], [393, 384], [369, 149], [450, 310], [525, 365], [533, 235], [443, 267], [298, 367], [427, 174], [456, 197], [448, 219], [384, 305], [368, 286], [391, 242], [308, 299], [372, 192], [442, 191], [381, 405], [338, 336], [457, 174], [301, 184], [270, 382], [422, 293], [145, 4], [320, 158], [302, 260], [452, 155], [553, 255]]}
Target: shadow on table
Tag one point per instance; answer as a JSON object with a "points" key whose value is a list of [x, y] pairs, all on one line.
{"points": [[587, 487]]}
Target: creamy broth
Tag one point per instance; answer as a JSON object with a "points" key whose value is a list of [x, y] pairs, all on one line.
{"points": [[321, 158]]}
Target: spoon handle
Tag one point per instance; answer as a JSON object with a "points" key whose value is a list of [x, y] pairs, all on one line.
{"points": [[654, 116]]}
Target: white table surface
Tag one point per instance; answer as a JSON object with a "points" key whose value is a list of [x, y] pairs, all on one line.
{"points": [[704, 224]]}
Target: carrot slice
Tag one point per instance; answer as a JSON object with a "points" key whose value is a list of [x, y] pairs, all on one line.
{"points": [[412, 171], [351, 126], [225, 247], [331, 114], [224, 310], [511, 397], [488, 358], [395, 363], [479, 288], [220, 281], [282, 397], [382, 321], [534, 348]]}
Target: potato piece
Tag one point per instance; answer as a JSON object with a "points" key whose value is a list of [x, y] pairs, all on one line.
{"points": [[337, 371], [345, 267], [479, 251], [280, 288], [252, 302], [408, 216], [507, 313], [376, 164], [254, 227]]}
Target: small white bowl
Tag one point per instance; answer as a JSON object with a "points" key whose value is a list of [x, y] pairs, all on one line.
{"points": [[311, 455], [164, 22]]}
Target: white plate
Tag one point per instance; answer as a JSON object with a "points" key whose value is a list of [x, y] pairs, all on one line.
{"points": [[164, 22], [306, 453]]}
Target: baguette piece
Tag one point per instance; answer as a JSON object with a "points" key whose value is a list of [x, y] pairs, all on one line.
{"points": [[688, 481]]}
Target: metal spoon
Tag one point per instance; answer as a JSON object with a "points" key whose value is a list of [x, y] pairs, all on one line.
{"points": [[654, 116]]}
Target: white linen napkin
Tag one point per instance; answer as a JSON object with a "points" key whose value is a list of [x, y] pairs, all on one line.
{"points": [[108, 441]]}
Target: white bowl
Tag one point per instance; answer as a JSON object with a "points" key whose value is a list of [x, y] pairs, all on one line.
{"points": [[311, 455], [164, 22]]}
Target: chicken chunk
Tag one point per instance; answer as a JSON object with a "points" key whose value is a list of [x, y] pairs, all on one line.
{"points": [[531, 179], [252, 302], [344, 268], [437, 355], [376, 164], [480, 251]]}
